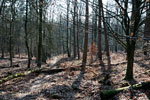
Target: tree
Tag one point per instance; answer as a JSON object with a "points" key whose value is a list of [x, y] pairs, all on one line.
{"points": [[78, 51], [99, 32], [2, 35], [74, 29], [132, 31], [106, 37], [40, 34], [86, 34], [146, 46], [68, 6], [130, 25], [95, 20], [12, 18], [26, 35], [1, 6]]}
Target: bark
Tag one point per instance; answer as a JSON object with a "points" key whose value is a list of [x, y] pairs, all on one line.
{"points": [[10, 46], [31, 48], [10, 35], [70, 40], [44, 56], [118, 27], [74, 29], [2, 49], [40, 34], [86, 35], [135, 20], [37, 40], [1, 7], [92, 38], [26, 35], [68, 6], [130, 60], [78, 51], [106, 37], [63, 48], [95, 27], [2, 40], [61, 36], [19, 51], [99, 33], [146, 46]]}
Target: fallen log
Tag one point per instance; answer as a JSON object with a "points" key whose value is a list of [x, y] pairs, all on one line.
{"points": [[107, 94], [37, 71], [9, 77], [50, 71]]}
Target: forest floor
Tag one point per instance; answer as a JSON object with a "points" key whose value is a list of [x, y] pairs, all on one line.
{"points": [[74, 82]]}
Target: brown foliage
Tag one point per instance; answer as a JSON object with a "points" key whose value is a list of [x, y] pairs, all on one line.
{"points": [[93, 48]]}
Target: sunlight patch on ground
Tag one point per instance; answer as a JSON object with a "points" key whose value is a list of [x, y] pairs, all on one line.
{"points": [[52, 61], [21, 95]]}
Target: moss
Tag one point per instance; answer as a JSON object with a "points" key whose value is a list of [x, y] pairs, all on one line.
{"points": [[110, 93], [18, 75]]}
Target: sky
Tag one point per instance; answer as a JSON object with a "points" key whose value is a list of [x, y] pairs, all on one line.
{"points": [[105, 1], [59, 6]]}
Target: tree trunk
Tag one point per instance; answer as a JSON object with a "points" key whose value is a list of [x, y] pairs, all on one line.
{"points": [[106, 37], [78, 51], [31, 48], [146, 47], [2, 52], [10, 33], [68, 6], [74, 29], [135, 19], [95, 27], [37, 34], [130, 60], [1, 6], [86, 35], [70, 40], [2, 40], [26, 35], [61, 36], [99, 33], [40, 34], [44, 56], [10, 46]]}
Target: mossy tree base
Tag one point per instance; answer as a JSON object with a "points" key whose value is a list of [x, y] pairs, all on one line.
{"points": [[106, 94]]}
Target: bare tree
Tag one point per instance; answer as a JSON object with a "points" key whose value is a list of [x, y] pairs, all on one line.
{"points": [[99, 32], [26, 35], [78, 29], [40, 34], [11, 30], [133, 31], [146, 46], [74, 28], [68, 6], [106, 37], [1, 6], [86, 34]]}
